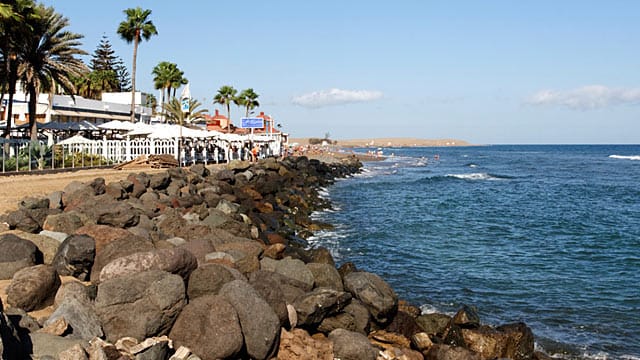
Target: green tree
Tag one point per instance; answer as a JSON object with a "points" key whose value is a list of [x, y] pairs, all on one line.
{"points": [[249, 99], [151, 102], [15, 24], [173, 109], [48, 57], [225, 96], [135, 28], [167, 76]]}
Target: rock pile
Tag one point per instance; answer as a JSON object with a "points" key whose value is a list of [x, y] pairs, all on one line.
{"points": [[194, 264]]}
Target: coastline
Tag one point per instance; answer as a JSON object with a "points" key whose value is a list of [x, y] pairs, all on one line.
{"points": [[393, 327], [389, 142]]}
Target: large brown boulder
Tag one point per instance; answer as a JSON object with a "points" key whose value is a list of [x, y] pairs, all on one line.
{"points": [[75, 257], [33, 288], [116, 249], [140, 305], [513, 341], [260, 324], [174, 260], [210, 327], [314, 306], [209, 279], [350, 345], [447, 352]]}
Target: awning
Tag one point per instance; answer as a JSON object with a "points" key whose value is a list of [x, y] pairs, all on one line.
{"points": [[86, 114]]}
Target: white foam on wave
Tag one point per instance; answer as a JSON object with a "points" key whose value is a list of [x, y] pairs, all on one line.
{"points": [[473, 176], [625, 157]]}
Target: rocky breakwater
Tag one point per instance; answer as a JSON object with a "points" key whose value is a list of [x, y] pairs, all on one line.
{"points": [[193, 264]]}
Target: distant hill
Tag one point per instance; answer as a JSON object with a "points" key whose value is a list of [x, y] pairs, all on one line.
{"points": [[390, 142]]}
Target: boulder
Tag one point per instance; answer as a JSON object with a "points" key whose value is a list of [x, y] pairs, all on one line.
{"points": [[405, 324], [227, 207], [45, 345], [374, 293], [80, 316], [350, 345], [104, 234], [291, 288], [447, 352], [260, 324], [175, 260], [209, 327], [76, 352], [354, 317], [116, 249], [11, 346], [512, 341], [467, 317], [314, 306], [325, 275], [33, 288], [208, 279], [199, 247], [295, 269], [31, 203], [297, 344], [47, 245], [75, 257], [434, 323], [269, 288], [159, 181], [75, 290], [15, 254], [66, 222], [21, 219], [115, 213], [140, 305]]}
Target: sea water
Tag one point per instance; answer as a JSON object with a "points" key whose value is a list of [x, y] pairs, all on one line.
{"points": [[547, 235]]}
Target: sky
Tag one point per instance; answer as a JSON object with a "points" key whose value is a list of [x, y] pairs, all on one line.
{"points": [[488, 72]]}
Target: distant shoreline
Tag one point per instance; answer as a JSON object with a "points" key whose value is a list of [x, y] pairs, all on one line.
{"points": [[389, 142]]}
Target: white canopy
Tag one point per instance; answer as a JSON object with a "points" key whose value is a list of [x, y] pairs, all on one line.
{"points": [[117, 125], [76, 139]]}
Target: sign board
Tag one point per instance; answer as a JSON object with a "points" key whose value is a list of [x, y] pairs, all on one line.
{"points": [[184, 105], [252, 123]]}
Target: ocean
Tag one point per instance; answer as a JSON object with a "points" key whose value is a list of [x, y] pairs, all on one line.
{"points": [[548, 235]]}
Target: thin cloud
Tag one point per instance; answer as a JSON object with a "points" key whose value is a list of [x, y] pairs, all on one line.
{"points": [[332, 97], [587, 97]]}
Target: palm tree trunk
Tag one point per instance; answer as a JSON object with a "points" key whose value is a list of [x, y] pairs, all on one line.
{"points": [[133, 76], [33, 103], [12, 90], [228, 117]]}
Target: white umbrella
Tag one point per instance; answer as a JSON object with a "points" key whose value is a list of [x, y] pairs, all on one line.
{"points": [[117, 125], [76, 139]]}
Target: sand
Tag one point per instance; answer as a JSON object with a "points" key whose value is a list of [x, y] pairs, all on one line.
{"points": [[390, 142]]}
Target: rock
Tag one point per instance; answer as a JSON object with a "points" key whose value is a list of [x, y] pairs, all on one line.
{"points": [[80, 316], [198, 247], [374, 293], [115, 213], [467, 318], [388, 340], [11, 346], [76, 352], [513, 341], [322, 255], [326, 275], [209, 279], [275, 251], [74, 290], [160, 181], [260, 324], [434, 323], [58, 327], [297, 270], [421, 341], [404, 324], [349, 345], [291, 288], [47, 245], [314, 306], [269, 288], [116, 249], [297, 344], [175, 260], [75, 194], [31, 203], [33, 288], [104, 234], [140, 305], [66, 222], [227, 207], [47, 345], [54, 235], [75, 257], [22, 220], [23, 322], [209, 327], [15, 254], [346, 269], [55, 200], [354, 317], [446, 352]]}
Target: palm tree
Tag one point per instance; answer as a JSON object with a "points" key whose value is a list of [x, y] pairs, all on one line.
{"points": [[225, 96], [136, 27], [249, 99], [15, 18], [167, 76], [48, 57], [173, 109]]}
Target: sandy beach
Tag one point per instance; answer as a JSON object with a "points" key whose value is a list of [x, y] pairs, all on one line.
{"points": [[389, 142]]}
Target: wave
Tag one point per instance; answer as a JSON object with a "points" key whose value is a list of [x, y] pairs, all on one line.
{"points": [[625, 157], [478, 176]]}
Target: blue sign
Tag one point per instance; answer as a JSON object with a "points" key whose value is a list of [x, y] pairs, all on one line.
{"points": [[252, 123], [184, 105]]}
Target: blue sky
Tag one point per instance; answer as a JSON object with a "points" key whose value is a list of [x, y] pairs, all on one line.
{"points": [[489, 72]]}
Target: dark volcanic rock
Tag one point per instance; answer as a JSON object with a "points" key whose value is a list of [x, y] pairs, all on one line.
{"points": [[15, 254], [326, 275], [349, 345], [433, 324], [314, 306], [467, 317], [260, 324], [33, 288], [116, 249], [374, 293], [75, 257], [446, 352], [208, 279], [210, 327], [175, 260], [66, 222], [81, 317], [140, 305]]}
